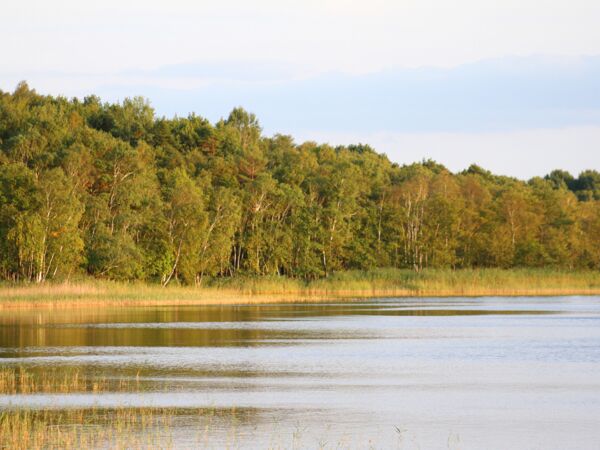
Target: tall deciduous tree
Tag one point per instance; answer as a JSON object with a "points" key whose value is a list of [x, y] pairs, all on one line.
{"points": [[113, 191]]}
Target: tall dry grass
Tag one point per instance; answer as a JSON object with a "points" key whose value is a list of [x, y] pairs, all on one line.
{"points": [[18, 380], [80, 428], [350, 284]]}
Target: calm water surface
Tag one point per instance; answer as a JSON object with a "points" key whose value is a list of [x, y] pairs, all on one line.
{"points": [[395, 373]]}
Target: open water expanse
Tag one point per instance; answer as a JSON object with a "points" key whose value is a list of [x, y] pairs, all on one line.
{"points": [[468, 373]]}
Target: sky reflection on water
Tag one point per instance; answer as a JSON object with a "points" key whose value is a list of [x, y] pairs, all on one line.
{"points": [[495, 373]]}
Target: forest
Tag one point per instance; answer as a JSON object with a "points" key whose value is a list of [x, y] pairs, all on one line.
{"points": [[113, 191]]}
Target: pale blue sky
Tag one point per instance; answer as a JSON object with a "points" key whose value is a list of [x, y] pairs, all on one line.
{"points": [[513, 86]]}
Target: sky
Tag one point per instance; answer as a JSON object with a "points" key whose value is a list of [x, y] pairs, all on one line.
{"points": [[513, 86]]}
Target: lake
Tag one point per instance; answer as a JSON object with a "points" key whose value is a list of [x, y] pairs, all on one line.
{"points": [[468, 373]]}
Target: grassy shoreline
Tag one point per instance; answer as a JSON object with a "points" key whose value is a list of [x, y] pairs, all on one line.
{"points": [[344, 285]]}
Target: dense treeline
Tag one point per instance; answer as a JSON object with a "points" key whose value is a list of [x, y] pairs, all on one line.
{"points": [[113, 191]]}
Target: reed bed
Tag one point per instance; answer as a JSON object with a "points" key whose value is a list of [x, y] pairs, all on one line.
{"points": [[342, 285], [83, 427], [18, 380], [141, 428], [86, 428]]}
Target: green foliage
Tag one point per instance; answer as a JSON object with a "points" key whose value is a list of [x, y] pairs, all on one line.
{"points": [[113, 191]]}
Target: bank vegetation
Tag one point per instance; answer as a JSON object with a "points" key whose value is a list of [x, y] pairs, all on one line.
{"points": [[112, 192]]}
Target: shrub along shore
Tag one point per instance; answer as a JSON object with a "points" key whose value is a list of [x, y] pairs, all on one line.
{"points": [[349, 285]]}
